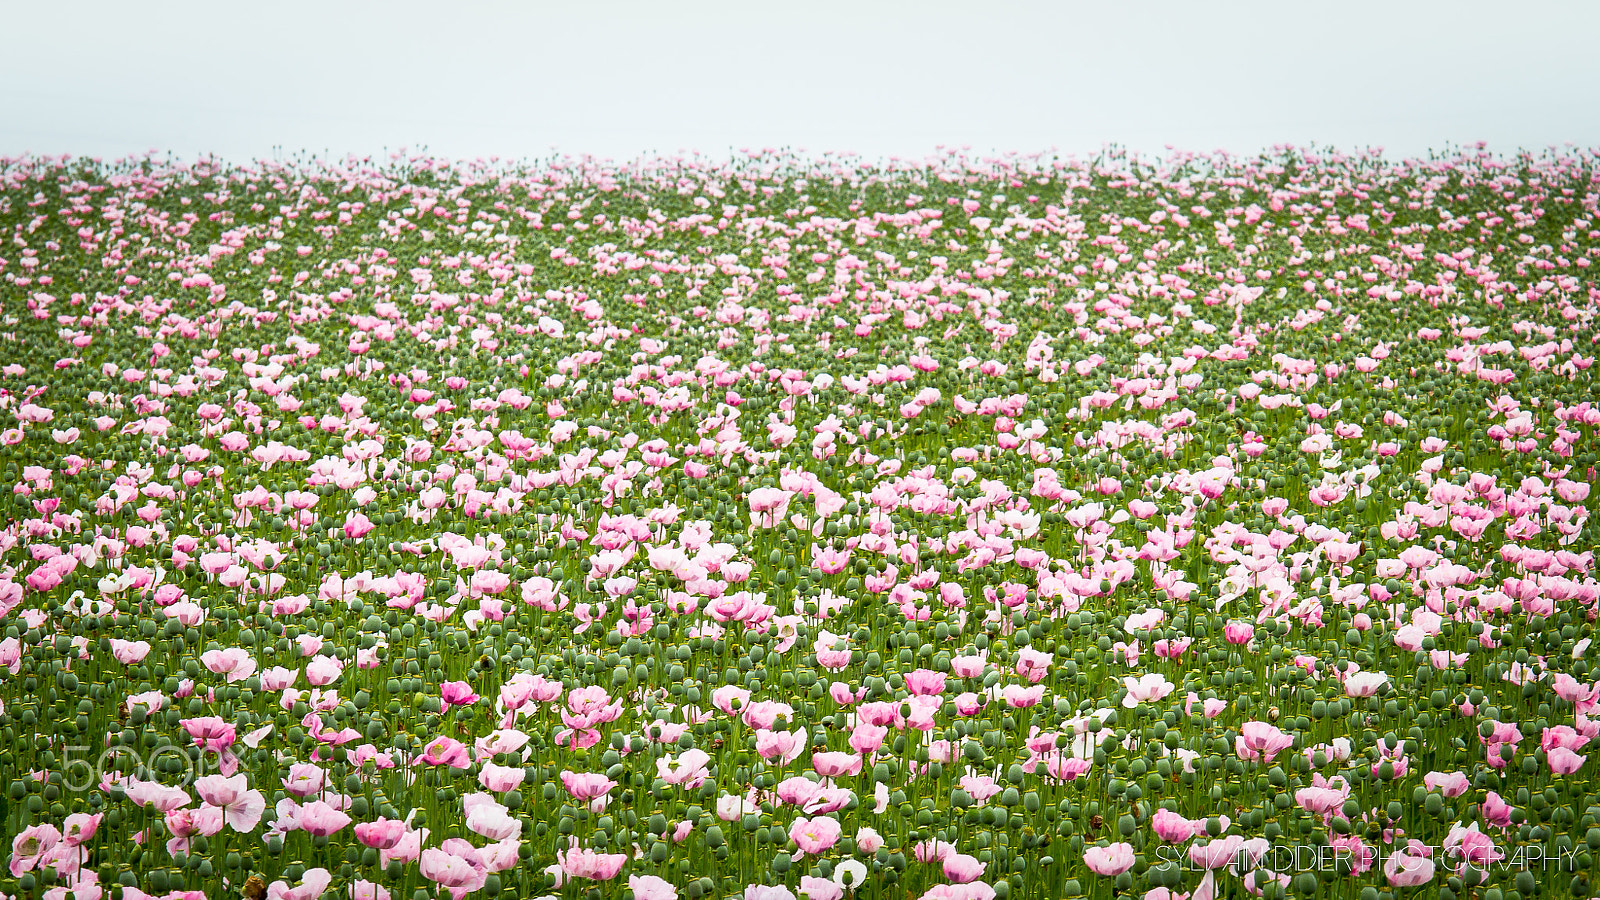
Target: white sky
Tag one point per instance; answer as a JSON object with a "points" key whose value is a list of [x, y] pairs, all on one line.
{"points": [[616, 78]]}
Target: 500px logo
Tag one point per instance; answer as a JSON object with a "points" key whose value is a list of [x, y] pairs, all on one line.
{"points": [[81, 772]]}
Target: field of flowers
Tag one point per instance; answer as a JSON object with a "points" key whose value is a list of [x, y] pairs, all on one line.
{"points": [[797, 527]]}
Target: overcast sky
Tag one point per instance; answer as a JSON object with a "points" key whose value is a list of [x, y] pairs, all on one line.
{"points": [[617, 78]]}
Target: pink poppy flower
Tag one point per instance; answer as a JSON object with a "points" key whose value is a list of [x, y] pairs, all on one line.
{"points": [[358, 526], [380, 834], [688, 769], [1323, 796], [785, 746], [1495, 810], [814, 888], [586, 786], [835, 764], [1365, 684], [1145, 688], [815, 835], [242, 808], [311, 886], [1173, 828], [457, 693], [445, 751], [455, 866], [1564, 762], [235, 663], [1110, 861], [500, 778], [1402, 869], [158, 797], [961, 868], [80, 828], [581, 863], [651, 887], [486, 817], [323, 670], [129, 652], [1468, 846], [321, 818], [361, 889], [30, 846], [1451, 784], [1261, 741], [925, 682]]}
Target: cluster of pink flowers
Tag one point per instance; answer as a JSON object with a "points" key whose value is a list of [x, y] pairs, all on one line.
{"points": [[970, 529]]}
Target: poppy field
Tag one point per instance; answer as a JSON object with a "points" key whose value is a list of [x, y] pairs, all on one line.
{"points": [[800, 527]]}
